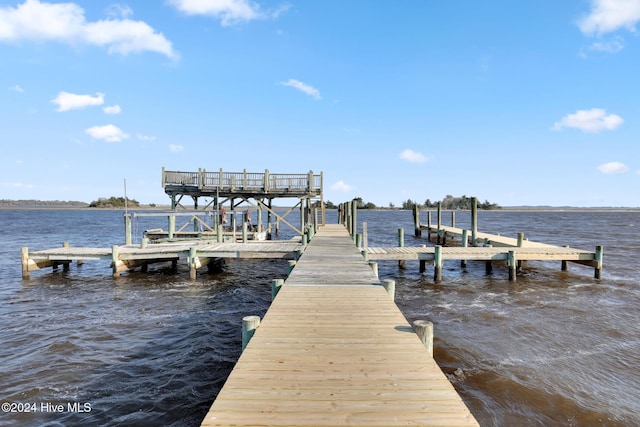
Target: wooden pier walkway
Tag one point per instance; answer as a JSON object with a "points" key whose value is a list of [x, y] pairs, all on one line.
{"points": [[196, 254], [333, 350]]}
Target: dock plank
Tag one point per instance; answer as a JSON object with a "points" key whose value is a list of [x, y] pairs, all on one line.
{"points": [[333, 350]]}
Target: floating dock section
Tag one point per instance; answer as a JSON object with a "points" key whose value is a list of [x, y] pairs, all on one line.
{"points": [[334, 350]]}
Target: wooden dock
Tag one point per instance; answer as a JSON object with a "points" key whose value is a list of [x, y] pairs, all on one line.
{"points": [[334, 350], [195, 254], [473, 245]]}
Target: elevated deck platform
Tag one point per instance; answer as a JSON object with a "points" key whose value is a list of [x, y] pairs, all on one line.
{"points": [[241, 184], [334, 350]]}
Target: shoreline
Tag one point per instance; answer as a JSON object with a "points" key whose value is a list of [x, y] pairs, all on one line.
{"points": [[505, 208]]}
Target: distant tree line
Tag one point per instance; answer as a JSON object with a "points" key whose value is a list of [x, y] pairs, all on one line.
{"points": [[449, 203], [113, 202], [41, 203]]}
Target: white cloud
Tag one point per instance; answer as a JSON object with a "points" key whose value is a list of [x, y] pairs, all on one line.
{"points": [[607, 16], [16, 88], [65, 23], [229, 12], [613, 167], [112, 109], [117, 10], [70, 101], [302, 87], [594, 120], [175, 148], [146, 137], [413, 156], [341, 186], [109, 133], [612, 46]]}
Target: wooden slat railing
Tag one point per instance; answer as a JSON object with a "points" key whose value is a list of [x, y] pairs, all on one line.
{"points": [[243, 181]]}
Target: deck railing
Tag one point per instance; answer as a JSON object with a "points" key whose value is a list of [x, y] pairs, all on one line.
{"points": [[244, 181]]}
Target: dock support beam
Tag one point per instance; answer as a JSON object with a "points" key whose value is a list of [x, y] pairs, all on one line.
{"points": [[416, 221]]}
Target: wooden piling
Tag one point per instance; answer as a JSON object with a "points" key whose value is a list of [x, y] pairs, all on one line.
{"points": [[465, 243], [26, 274], [416, 221], [390, 286], [401, 262], [115, 261], [474, 220], [424, 330], [439, 222], [374, 267], [172, 226], [437, 264], [365, 235], [512, 266], [193, 261], [249, 326], [599, 258], [290, 265], [276, 284], [127, 229]]}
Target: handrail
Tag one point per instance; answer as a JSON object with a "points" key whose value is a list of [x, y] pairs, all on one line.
{"points": [[243, 181]]}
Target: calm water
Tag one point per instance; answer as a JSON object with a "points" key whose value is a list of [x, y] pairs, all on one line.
{"points": [[554, 348]]}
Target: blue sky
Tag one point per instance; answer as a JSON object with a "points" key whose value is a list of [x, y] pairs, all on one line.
{"points": [[534, 102]]}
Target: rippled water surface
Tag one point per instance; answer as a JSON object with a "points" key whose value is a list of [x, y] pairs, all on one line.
{"points": [[553, 348]]}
